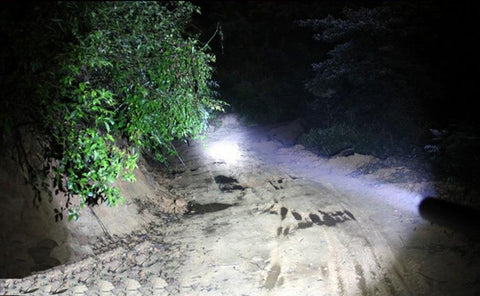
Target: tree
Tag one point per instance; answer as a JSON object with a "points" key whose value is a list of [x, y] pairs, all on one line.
{"points": [[379, 62], [377, 77], [124, 77]]}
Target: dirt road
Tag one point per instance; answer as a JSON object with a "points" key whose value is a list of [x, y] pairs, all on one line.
{"points": [[270, 220]]}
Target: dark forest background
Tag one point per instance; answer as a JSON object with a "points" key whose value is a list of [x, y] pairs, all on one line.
{"points": [[393, 78]]}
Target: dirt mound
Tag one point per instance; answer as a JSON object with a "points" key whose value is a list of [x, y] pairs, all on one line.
{"points": [[31, 239]]}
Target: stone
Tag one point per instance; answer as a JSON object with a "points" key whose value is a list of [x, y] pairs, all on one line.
{"points": [[105, 286], [159, 283], [132, 285], [80, 289], [47, 289], [84, 276], [9, 283], [181, 203]]}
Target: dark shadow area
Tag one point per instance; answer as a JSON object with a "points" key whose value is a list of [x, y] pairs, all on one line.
{"points": [[220, 179], [227, 184], [28, 234], [195, 208], [30, 238], [445, 249], [458, 218]]}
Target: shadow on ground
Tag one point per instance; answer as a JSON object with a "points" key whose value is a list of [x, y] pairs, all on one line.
{"points": [[445, 250]]}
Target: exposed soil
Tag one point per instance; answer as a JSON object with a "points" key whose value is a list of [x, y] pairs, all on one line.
{"points": [[272, 219]]}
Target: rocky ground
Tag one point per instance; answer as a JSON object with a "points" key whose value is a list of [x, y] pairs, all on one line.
{"points": [[263, 217]]}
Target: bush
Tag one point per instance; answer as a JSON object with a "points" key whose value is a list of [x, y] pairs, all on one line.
{"points": [[328, 141], [331, 140], [124, 78], [456, 155]]}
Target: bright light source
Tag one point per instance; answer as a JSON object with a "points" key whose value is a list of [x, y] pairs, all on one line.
{"points": [[224, 151]]}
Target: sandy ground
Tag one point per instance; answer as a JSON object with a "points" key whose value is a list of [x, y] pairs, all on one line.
{"points": [[270, 219]]}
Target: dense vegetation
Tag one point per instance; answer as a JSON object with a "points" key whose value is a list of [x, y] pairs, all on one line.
{"points": [[101, 82], [373, 83]]}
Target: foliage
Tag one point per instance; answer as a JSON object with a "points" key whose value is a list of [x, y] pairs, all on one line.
{"points": [[327, 142], [331, 140], [377, 55], [376, 75], [454, 153], [124, 78]]}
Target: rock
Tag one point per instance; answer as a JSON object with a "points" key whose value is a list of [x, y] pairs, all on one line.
{"points": [[47, 289], [181, 203], [83, 276], [80, 289], [105, 286], [8, 283], [45, 263], [80, 250], [62, 288], [26, 285], [132, 285], [141, 259], [18, 239], [113, 266], [22, 257], [159, 283]]}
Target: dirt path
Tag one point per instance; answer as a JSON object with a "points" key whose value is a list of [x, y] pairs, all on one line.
{"points": [[271, 220], [281, 221]]}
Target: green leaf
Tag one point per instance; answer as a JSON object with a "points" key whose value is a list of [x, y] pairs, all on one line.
{"points": [[129, 73]]}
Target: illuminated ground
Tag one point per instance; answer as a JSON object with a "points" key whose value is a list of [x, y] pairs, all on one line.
{"points": [[298, 224], [270, 219]]}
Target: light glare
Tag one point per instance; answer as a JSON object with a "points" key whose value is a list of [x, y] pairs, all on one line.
{"points": [[224, 151]]}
